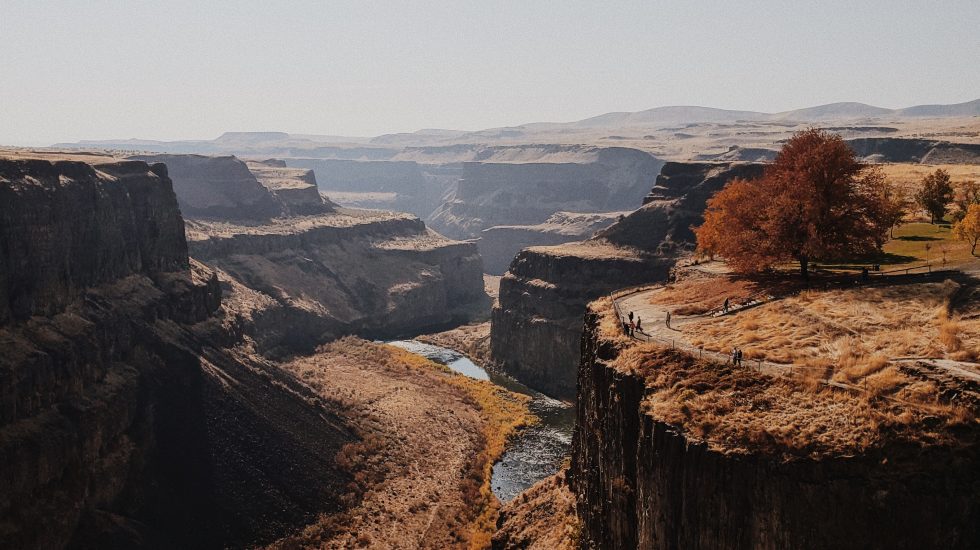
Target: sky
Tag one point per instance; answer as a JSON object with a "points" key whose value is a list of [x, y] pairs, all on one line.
{"points": [[72, 70]]}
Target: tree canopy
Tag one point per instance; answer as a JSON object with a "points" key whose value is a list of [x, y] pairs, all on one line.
{"points": [[968, 229], [936, 194], [816, 201]]}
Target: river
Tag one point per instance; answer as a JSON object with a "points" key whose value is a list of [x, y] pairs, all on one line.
{"points": [[536, 452]]}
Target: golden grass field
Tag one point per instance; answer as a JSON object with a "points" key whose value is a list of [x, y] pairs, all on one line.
{"points": [[742, 410], [838, 327]]}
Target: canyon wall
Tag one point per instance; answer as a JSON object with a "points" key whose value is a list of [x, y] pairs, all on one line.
{"points": [[499, 244], [216, 187], [313, 271], [310, 280], [642, 483], [403, 186], [522, 193], [295, 189], [925, 151], [128, 415], [537, 322]]}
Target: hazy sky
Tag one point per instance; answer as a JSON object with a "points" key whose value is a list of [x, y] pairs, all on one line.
{"points": [[192, 70]]}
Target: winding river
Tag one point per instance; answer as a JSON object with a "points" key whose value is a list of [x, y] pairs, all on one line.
{"points": [[535, 453]]}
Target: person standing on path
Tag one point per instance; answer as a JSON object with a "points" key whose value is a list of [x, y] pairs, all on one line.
{"points": [[639, 324], [738, 356], [632, 327], [631, 316], [668, 319], [725, 307]]}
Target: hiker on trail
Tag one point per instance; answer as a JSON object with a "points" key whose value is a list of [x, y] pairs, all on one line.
{"points": [[738, 357], [638, 324], [668, 319], [864, 274], [631, 316], [726, 305], [632, 328], [734, 356], [626, 327]]}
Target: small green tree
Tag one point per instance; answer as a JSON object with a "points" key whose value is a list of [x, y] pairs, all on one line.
{"points": [[936, 194]]}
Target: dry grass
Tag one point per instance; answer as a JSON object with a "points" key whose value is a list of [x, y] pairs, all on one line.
{"points": [[908, 177], [541, 518], [695, 294], [503, 412], [739, 410], [854, 328], [429, 438], [845, 336]]}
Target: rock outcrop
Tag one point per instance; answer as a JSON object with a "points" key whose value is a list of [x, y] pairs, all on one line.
{"points": [[925, 151], [129, 416], [641, 482], [309, 280], [216, 187], [66, 226], [537, 323], [294, 188], [404, 186], [499, 244], [523, 193]]}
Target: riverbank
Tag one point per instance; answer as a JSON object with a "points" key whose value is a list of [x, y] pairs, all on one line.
{"points": [[428, 440]]}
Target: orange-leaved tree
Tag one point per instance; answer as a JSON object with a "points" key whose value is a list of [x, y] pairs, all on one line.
{"points": [[816, 201], [968, 228]]}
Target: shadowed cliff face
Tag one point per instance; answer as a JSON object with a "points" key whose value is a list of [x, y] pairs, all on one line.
{"points": [[491, 194], [216, 187], [499, 244], [312, 271], [642, 483], [537, 322], [65, 226], [128, 416], [303, 282], [926, 151]]}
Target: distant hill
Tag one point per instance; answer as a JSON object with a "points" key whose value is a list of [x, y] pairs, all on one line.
{"points": [[671, 118]]}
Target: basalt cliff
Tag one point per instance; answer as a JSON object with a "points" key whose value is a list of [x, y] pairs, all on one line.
{"points": [[537, 322], [132, 412], [651, 470], [314, 271]]}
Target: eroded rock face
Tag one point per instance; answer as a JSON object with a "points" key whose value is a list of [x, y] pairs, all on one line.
{"points": [[404, 186], [128, 415], [499, 244], [537, 322], [313, 279], [526, 193], [294, 188], [65, 226], [641, 483], [926, 151], [216, 187]]}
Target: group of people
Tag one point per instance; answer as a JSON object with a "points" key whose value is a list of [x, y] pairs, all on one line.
{"points": [[736, 357], [630, 327]]}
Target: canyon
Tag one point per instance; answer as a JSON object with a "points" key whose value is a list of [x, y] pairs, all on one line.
{"points": [[536, 324], [194, 352], [125, 420]]}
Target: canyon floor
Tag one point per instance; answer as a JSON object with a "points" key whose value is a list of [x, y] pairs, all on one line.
{"points": [[429, 437]]}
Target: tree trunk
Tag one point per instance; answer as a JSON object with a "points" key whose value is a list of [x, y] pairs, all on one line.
{"points": [[805, 267]]}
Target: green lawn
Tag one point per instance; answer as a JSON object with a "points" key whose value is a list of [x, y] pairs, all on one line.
{"points": [[914, 244]]}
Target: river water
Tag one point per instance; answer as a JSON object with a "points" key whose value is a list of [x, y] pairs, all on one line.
{"points": [[536, 452]]}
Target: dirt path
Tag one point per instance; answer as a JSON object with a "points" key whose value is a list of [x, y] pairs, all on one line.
{"points": [[421, 435]]}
